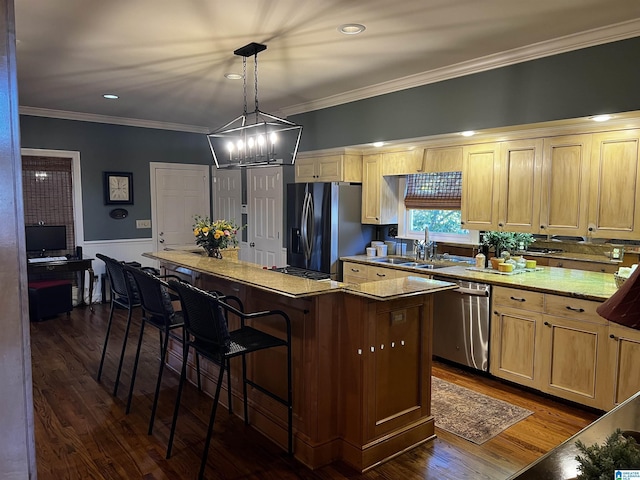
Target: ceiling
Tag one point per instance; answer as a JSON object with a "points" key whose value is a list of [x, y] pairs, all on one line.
{"points": [[166, 59]]}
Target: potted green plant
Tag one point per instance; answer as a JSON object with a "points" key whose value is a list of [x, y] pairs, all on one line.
{"points": [[619, 452], [499, 241]]}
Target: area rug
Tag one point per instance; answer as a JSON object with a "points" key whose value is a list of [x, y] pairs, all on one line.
{"points": [[471, 415]]}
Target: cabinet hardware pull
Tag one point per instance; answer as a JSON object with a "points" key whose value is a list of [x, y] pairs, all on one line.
{"points": [[495, 312], [573, 309], [381, 274], [547, 324], [612, 336], [542, 227], [355, 270], [517, 299]]}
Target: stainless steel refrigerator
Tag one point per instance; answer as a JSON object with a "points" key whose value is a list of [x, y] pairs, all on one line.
{"points": [[324, 224]]}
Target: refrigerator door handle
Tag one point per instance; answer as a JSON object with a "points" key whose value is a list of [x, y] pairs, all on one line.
{"points": [[303, 226], [311, 232]]}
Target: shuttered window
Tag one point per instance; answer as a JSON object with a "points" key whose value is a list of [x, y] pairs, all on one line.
{"points": [[434, 191]]}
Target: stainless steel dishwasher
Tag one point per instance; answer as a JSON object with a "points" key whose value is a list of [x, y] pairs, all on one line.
{"points": [[461, 324]]}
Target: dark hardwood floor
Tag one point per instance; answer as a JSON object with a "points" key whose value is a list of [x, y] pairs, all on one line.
{"points": [[83, 433]]}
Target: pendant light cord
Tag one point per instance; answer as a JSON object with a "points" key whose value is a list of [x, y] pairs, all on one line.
{"points": [[255, 78]]}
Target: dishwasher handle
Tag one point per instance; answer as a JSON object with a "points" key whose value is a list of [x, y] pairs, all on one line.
{"points": [[471, 291]]}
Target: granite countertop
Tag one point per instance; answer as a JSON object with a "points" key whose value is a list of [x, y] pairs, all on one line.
{"points": [[559, 281], [295, 287]]}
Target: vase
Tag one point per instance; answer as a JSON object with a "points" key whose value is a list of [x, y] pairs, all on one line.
{"points": [[213, 252]]}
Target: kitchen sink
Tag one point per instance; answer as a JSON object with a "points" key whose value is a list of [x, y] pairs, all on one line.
{"points": [[392, 260]]}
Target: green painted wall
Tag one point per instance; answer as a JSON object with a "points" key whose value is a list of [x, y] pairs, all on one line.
{"points": [[600, 79], [106, 147]]}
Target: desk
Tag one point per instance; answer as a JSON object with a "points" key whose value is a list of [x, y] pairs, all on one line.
{"points": [[50, 269]]}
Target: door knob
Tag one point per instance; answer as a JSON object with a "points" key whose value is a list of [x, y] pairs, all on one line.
{"points": [[252, 244], [161, 240], [161, 233]]}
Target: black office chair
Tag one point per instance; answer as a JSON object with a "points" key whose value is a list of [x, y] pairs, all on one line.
{"points": [[158, 312], [206, 331], [123, 294]]}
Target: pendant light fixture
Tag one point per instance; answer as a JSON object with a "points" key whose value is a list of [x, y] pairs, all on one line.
{"points": [[255, 139]]}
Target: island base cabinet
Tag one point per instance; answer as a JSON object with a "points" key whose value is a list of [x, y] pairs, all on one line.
{"points": [[624, 359], [385, 378]]}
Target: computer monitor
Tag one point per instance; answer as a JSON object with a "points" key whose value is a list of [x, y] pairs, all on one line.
{"points": [[42, 238]]}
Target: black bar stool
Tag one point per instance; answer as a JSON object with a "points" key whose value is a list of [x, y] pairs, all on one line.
{"points": [[158, 312], [123, 294], [206, 331]]}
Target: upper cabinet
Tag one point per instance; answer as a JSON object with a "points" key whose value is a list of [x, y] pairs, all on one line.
{"points": [[565, 185], [334, 167], [519, 199], [403, 162], [614, 194], [379, 193], [480, 186], [445, 159]]}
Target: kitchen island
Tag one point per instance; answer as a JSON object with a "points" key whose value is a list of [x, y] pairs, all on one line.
{"points": [[361, 359]]}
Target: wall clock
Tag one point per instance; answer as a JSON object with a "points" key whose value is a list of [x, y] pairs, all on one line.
{"points": [[118, 188]]}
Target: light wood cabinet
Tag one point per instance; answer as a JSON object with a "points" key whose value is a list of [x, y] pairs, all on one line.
{"points": [[614, 194], [624, 358], [578, 265], [404, 162], [328, 168], [480, 186], [554, 344], [515, 336], [445, 159], [353, 272], [379, 193], [565, 185], [574, 352], [520, 185]]}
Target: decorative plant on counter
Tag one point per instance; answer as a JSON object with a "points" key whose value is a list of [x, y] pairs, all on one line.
{"points": [[619, 452], [214, 236], [507, 241]]}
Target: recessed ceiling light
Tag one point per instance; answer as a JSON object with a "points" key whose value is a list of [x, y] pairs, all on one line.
{"points": [[351, 28], [110, 96], [378, 144], [233, 76], [601, 118], [468, 133]]}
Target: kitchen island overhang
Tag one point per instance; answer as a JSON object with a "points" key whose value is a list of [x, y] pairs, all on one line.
{"points": [[361, 359]]}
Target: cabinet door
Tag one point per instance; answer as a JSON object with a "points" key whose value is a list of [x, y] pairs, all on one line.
{"points": [[565, 185], [614, 194], [574, 363], [305, 170], [515, 345], [446, 159], [383, 273], [329, 168], [624, 354], [379, 194], [402, 163], [480, 187], [519, 204]]}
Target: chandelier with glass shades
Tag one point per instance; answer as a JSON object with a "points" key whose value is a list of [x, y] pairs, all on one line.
{"points": [[257, 138]]}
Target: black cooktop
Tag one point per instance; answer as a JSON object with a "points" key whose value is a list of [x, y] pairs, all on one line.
{"points": [[301, 272], [544, 250]]}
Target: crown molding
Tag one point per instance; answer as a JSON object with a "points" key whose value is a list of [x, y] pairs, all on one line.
{"points": [[128, 122], [589, 38]]}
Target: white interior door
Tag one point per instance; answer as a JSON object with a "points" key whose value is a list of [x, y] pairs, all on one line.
{"points": [[178, 192], [227, 195], [265, 216]]}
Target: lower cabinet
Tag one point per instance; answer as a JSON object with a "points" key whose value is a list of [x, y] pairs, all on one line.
{"points": [[624, 358], [554, 344], [353, 272]]}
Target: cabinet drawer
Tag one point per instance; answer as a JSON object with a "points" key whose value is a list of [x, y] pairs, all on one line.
{"points": [[523, 299], [354, 273], [573, 308], [381, 273]]}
